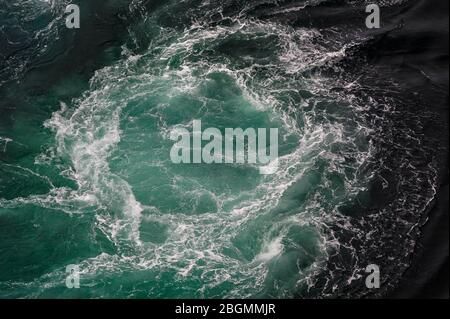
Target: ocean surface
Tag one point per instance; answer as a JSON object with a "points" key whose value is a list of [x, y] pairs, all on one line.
{"points": [[86, 177]]}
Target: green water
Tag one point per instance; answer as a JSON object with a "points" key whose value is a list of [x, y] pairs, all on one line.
{"points": [[94, 185], [86, 176]]}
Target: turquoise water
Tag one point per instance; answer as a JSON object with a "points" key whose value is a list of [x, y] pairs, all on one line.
{"points": [[86, 176]]}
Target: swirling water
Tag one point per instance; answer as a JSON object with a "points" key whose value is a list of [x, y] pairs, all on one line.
{"points": [[87, 178]]}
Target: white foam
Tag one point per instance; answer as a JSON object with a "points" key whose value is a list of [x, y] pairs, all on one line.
{"points": [[271, 250]]}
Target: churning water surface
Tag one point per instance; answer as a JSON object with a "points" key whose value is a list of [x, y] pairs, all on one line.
{"points": [[86, 176]]}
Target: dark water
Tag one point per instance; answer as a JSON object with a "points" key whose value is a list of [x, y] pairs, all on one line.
{"points": [[86, 177]]}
